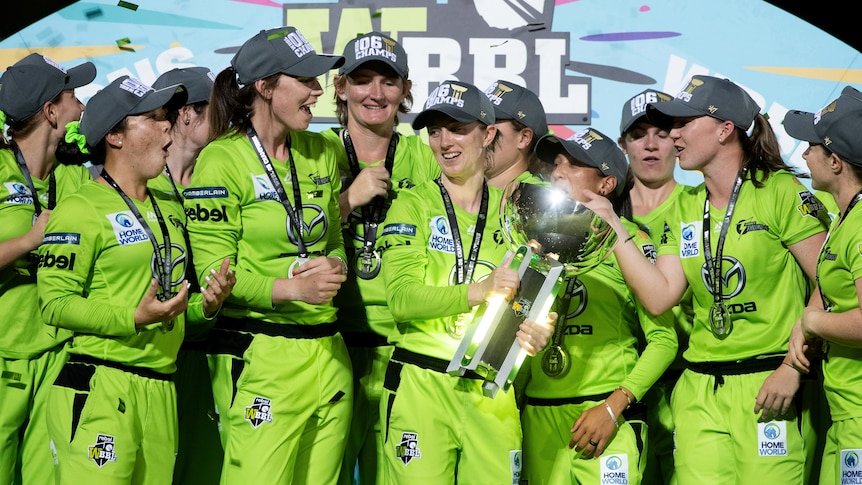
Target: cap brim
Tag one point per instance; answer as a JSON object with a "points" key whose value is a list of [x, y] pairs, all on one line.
{"points": [[313, 66], [80, 75], [800, 125], [549, 146], [674, 108], [171, 97], [421, 120]]}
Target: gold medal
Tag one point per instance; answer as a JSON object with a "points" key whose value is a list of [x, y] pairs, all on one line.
{"points": [[366, 264]]}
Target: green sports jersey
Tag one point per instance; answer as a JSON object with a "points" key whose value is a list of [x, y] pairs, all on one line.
{"points": [[91, 281], [838, 267], [234, 212], [601, 336], [654, 224], [763, 286], [414, 163], [24, 334], [419, 267]]}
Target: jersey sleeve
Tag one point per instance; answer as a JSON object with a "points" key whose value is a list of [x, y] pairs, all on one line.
{"points": [[660, 335], [795, 212], [334, 236], [66, 259], [405, 262]]}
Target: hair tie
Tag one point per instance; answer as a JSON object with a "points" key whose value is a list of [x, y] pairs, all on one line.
{"points": [[76, 137], [2, 119]]}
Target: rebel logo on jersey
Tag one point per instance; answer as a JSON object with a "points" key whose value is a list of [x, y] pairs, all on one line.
{"points": [[103, 450], [259, 412], [408, 449]]}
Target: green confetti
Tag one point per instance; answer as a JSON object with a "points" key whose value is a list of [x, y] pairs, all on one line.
{"points": [[123, 44], [377, 14], [128, 5]]}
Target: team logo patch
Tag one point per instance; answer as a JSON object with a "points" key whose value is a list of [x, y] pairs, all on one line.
{"points": [[772, 438], [744, 227], [650, 252], [521, 307], [103, 450], [259, 412], [205, 193], [408, 449], [614, 469], [441, 237], [810, 205], [127, 228]]}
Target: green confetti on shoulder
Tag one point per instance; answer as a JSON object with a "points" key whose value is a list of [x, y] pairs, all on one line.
{"points": [[128, 5]]}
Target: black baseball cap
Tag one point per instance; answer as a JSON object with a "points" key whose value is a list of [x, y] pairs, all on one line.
{"points": [[125, 96], [198, 82], [590, 147], [374, 46], [837, 126], [712, 96], [514, 102], [636, 107], [36, 79], [463, 102], [280, 50]]}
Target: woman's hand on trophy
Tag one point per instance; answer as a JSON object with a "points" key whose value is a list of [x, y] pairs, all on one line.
{"points": [[503, 281], [534, 336]]}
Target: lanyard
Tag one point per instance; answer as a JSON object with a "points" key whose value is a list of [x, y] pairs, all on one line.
{"points": [[824, 248], [163, 264], [714, 265], [294, 214], [565, 299], [52, 185], [191, 277], [465, 268], [372, 213]]}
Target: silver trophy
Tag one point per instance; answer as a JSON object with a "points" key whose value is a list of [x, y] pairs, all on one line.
{"points": [[553, 238]]}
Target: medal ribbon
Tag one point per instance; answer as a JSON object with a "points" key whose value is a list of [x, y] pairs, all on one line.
{"points": [[52, 184], [294, 214], [163, 264], [823, 248], [465, 268], [714, 265]]}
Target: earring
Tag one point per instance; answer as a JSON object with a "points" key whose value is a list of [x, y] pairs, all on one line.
{"points": [[186, 121]]}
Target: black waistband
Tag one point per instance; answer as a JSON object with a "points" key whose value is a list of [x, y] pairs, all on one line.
{"points": [[286, 330], [364, 339], [635, 412], [140, 371], [735, 368], [537, 401], [430, 363]]}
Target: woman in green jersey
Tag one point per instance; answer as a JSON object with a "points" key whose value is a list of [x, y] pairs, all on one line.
{"points": [[745, 241], [834, 158], [37, 100], [371, 89], [649, 148], [441, 245], [113, 271], [200, 455], [583, 389], [264, 194]]}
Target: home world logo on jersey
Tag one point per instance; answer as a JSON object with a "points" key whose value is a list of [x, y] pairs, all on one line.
{"points": [[851, 468], [772, 438], [127, 228], [441, 237], [614, 470]]}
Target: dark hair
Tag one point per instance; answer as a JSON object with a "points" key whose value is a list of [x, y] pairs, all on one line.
{"points": [[622, 203], [22, 128], [340, 82], [534, 164], [174, 114], [761, 152], [70, 153], [231, 105]]}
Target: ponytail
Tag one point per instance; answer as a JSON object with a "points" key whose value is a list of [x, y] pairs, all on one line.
{"points": [[231, 105], [762, 153]]}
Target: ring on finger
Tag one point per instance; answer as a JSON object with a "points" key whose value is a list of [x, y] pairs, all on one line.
{"points": [[593, 443]]}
